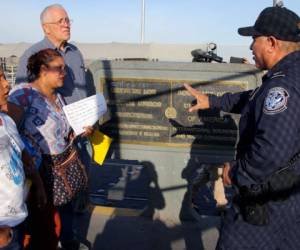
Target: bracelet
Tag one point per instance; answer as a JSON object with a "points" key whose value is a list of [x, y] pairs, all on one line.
{"points": [[11, 234]]}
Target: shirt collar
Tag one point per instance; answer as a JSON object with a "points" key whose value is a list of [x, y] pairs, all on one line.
{"points": [[50, 45], [284, 63]]}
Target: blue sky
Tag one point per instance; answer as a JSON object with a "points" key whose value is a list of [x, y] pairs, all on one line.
{"points": [[167, 21]]}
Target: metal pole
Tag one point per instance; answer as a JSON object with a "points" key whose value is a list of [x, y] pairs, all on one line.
{"points": [[143, 22]]}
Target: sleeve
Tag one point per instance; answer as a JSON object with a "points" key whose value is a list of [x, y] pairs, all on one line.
{"points": [[276, 137], [230, 102], [32, 148], [21, 95], [21, 75]]}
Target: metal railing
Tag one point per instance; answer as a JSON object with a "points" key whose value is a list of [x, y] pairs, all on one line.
{"points": [[10, 69]]}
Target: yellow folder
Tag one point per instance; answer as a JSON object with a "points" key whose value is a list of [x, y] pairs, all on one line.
{"points": [[100, 144]]}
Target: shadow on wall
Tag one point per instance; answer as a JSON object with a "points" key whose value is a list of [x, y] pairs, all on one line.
{"points": [[199, 198]]}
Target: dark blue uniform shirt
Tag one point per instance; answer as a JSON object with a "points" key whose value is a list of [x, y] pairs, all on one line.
{"points": [[269, 128]]}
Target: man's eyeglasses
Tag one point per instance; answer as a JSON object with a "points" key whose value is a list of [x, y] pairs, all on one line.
{"points": [[59, 69], [62, 21]]}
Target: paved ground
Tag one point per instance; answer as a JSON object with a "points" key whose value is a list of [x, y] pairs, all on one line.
{"points": [[117, 224], [122, 229]]}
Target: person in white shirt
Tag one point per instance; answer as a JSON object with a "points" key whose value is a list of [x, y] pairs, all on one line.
{"points": [[12, 177], [13, 192]]}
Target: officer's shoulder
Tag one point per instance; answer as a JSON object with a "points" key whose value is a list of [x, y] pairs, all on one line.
{"points": [[284, 79], [278, 75], [282, 83], [280, 91], [277, 80]]}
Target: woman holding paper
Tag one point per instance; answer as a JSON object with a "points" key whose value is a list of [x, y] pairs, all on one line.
{"points": [[38, 109]]}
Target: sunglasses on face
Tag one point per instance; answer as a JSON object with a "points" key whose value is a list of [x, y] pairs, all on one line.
{"points": [[59, 69]]}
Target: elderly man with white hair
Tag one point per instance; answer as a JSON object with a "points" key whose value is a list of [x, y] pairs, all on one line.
{"points": [[56, 25]]}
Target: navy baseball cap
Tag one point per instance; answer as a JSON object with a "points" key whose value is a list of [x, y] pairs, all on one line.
{"points": [[279, 22]]}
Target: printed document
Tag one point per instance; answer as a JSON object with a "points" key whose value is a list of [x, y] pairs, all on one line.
{"points": [[85, 112]]}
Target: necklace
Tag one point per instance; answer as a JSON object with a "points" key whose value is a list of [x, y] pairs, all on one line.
{"points": [[52, 99], [56, 103]]}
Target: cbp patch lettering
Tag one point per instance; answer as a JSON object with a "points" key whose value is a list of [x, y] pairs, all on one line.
{"points": [[276, 101]]}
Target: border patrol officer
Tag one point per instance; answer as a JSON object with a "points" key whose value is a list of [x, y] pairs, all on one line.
{"points": [[266, 211]]}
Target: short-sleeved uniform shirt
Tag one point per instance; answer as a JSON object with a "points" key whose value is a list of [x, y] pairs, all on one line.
{"points": [[12, 205]]}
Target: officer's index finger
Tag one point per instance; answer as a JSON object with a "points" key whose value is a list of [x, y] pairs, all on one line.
{"points": [[191, 90]]}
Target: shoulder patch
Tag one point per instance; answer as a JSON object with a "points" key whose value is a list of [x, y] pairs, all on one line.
{"points": [[1, 122], [276, 101]]}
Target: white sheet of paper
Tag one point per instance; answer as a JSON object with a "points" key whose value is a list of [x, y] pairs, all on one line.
{"points": [[85, 112]]}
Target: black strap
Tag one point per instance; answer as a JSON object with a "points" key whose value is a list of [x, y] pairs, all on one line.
{"points": [[291, 162]]}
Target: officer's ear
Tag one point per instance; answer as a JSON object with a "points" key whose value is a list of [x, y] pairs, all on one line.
{"points": [[272, 44]]}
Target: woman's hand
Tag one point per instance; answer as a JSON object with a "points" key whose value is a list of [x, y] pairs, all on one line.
{"points": [[226, 177], [6, 236], [89, 130], [71, 136]]}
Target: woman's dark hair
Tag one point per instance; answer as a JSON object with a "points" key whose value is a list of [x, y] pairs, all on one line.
{"points": [[37, 60]]}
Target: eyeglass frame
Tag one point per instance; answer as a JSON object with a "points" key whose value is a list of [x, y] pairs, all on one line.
{"points": [[62, 21], [57, 69]]}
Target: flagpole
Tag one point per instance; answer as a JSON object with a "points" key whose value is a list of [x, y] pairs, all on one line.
{"points": [[143, 22]]}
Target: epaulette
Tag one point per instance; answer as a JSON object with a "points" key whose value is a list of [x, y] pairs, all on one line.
{"points": [[277, 74]]}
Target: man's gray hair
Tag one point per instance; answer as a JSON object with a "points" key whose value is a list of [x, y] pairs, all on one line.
{"points": [[44, 17]]}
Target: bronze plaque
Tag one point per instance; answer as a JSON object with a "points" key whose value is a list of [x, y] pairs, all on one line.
{"points": [[143, 111]]}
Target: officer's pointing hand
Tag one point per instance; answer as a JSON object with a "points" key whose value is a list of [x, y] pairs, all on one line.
{"points": [[202, 99]]}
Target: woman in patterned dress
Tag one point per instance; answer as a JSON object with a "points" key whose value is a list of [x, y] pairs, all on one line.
{"points": [[37, 106]]}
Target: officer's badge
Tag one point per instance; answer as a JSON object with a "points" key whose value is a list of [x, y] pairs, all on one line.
{"points": [[276, 101]]}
